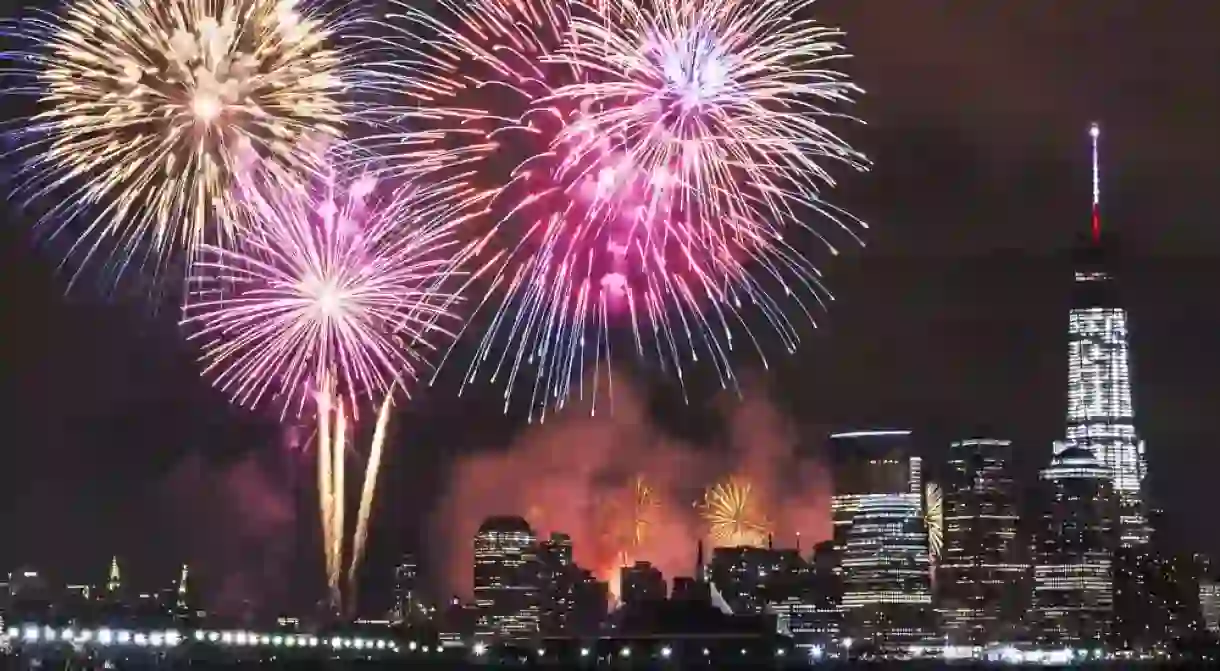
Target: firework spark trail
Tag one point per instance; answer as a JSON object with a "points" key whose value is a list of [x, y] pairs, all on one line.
{"points": [[371, 471], [335, 292], [326, 487], [583, 232], [644, 503], [732, 515], [144, 106], [338, 503]]}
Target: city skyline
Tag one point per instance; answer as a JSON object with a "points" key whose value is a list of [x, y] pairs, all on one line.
{"points": [[123, 441]]}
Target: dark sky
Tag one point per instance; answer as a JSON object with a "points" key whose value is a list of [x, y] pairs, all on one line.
{"points": [[953, 317]]}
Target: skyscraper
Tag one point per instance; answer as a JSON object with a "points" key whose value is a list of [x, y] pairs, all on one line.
{"points": [[1209, 604], [880, 539], [506, 577], [980, 575], [1100, 413], [1073, 590]]}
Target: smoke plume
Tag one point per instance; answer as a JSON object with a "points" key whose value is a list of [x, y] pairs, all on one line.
{"points": [[576, 474], [246, 504]]}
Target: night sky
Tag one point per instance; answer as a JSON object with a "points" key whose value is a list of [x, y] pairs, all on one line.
{"points": [[952, 320]]}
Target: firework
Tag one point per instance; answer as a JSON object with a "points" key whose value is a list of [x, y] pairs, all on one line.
{"points": [[627, 519], [934, 520], [729, 98], [335, 295], [584, 236], [144, 106], [644, 503], [732, 514], [339, 282], [333, 437]]}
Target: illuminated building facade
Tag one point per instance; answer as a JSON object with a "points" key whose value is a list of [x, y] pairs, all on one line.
{"points": [[1073, 591], [1100, 413], [980, 578], [1209, 604], [506, 579], [880, 539]]}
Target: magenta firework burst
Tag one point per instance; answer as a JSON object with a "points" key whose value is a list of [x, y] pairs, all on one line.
{"points": [[338, 285], [590, 239], [730, 96]]}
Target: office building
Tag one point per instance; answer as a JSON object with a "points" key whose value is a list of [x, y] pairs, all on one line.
{"points": [[1209, 605], [1100, 413], [1073, 593], [506, 579], [880, 539], [980, 576]]}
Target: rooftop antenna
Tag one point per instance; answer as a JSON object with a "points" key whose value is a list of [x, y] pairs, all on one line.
{"points": [[1095, 134]]}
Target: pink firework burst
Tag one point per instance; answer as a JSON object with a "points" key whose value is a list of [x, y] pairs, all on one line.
{"points": [[587, 241], [338, 283]]}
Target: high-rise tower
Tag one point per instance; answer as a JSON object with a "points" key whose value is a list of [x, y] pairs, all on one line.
{"points": [[880, 538], [506, 578], [1073, 583], [1100, 413], [113, 581], [980, 575]]}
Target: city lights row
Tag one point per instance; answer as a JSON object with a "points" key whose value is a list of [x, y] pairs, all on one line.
{"points": [[172, 638], [665, 652]]}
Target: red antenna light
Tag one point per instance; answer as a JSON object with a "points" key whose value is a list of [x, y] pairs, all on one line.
{"points": [[1095, 133]]}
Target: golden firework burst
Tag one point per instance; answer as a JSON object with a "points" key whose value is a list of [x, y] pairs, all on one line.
{"points": [[732, 514]]}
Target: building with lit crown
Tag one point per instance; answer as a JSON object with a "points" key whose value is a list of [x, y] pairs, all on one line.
{"points": [[980, 576], [880, 539], [1073, 591], [506, 579], [1100, 413]]}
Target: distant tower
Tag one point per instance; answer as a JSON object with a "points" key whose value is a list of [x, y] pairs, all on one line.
{"points": [[1100, 413], [406, 588], [114, 583], [183, 596]]}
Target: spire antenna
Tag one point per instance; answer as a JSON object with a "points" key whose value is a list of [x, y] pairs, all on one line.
{"points": [[1095, 134]]}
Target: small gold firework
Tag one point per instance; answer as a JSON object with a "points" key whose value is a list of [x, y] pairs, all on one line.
{"points": [[732, 516], [934, 519], [643, 505]]}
